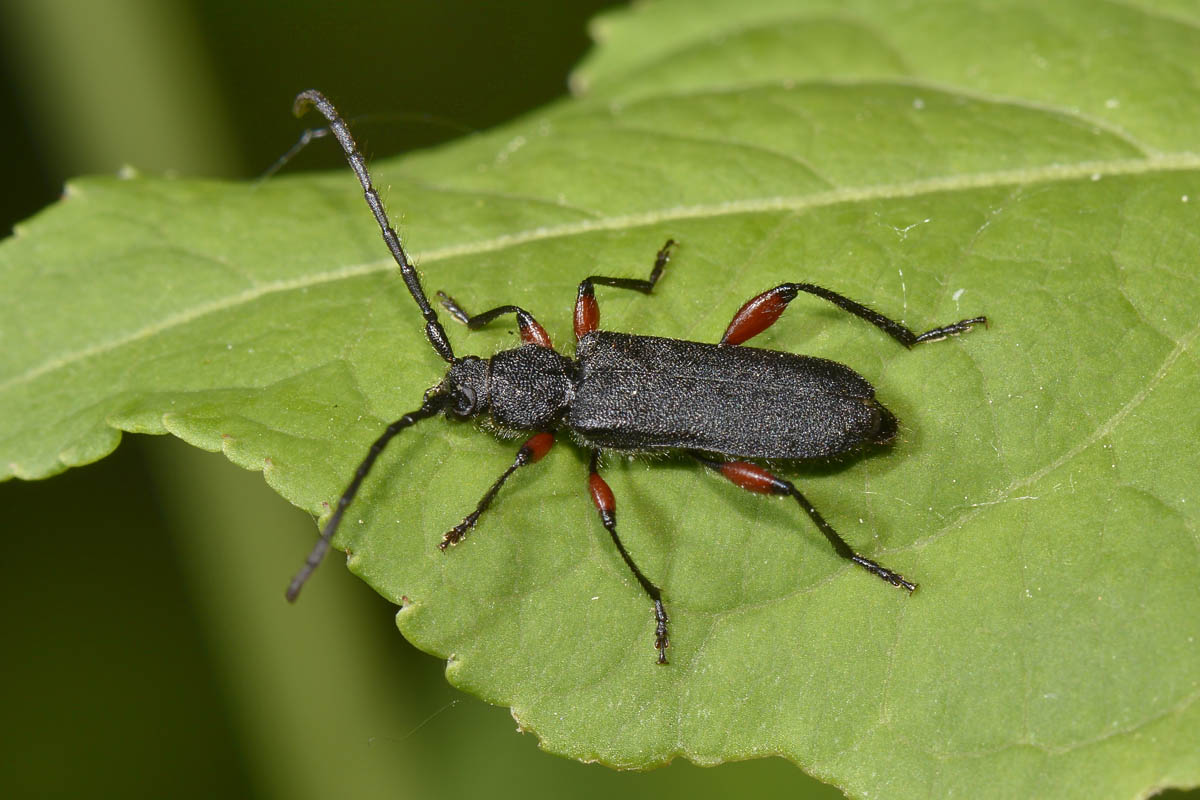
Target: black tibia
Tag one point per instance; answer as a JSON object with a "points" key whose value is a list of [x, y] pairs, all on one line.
{"points": [[433, 329], [433, 404], [757, 479], [587, 312], [602, 496], [477, 321], [531, 330], [586, 290], [533, 449], [638, 285], [897, 331]]}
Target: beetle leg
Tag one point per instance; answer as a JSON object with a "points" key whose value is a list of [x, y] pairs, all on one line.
{"points": [[760, 313], [531, 331], [587, 312], [606, 504], [533, 450], [756, 479]]}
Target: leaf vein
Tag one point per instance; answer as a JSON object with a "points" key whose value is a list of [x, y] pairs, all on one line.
{"points": [[1035, 175]]}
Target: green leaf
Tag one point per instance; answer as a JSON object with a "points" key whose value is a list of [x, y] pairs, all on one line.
{"points": [[936, 162]]}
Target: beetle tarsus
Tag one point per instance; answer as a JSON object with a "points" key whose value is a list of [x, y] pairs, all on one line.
{"points": [[459, 531], [954, 329], [894, 578], [452, 306], [661, 640]]}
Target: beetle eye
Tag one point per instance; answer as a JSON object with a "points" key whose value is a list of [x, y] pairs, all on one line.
{"points": [[464, 401]]}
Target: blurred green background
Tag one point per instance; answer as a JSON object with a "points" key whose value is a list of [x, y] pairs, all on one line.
{"points": [[149, 651]]}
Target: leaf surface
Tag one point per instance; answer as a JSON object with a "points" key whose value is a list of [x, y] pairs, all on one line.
{"points": [[935, 162]]}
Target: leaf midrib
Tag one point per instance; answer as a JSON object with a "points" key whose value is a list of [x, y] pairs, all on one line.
{"points": [[1052, 173]]}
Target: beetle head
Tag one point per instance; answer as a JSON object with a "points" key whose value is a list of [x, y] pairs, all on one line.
{"points": [[466, 387]]}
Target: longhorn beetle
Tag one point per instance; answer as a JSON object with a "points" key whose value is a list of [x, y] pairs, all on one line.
{"points": [[716, 403]]}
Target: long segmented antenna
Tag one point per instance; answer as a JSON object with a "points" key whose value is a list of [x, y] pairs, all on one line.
{"points": [[312, 134], [433, 404], [433, 329]]}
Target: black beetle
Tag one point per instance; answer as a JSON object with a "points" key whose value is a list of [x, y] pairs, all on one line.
{"points": [[643, 393]]}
